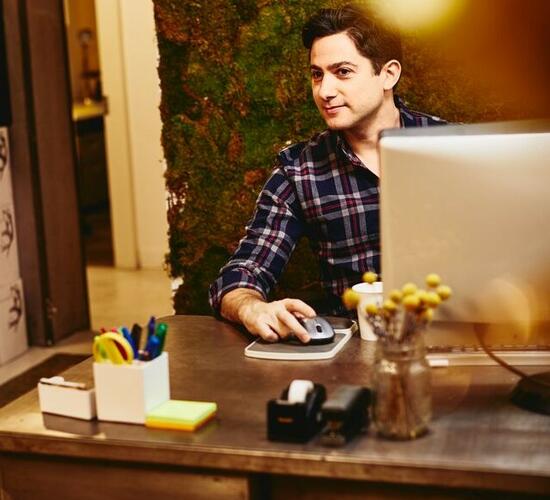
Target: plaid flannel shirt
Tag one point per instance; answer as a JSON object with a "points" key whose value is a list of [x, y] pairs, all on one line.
{"points": [[322, 190]]}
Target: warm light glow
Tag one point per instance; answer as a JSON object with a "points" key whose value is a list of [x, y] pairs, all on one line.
{"points": [[415, 15], [513, 301]]}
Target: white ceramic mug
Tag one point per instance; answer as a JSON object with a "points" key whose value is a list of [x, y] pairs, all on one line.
{"points": [[369, 294]]}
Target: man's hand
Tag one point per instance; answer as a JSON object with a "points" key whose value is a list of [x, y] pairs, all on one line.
{"points": [[268, 320]]}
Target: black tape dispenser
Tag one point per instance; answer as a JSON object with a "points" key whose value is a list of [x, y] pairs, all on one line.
{"points": [[345, 414], [296, 415]]}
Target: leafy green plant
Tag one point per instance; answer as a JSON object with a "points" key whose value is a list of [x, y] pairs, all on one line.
{"points": [[235, 90]]}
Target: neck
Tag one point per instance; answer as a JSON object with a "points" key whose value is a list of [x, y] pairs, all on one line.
{"points": [[364, 137]]}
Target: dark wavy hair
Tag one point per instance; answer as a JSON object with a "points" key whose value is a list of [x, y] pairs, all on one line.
{"points": [[372, 38]]}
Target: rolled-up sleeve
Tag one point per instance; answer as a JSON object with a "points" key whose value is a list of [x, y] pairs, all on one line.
{"points": [[271, 236]]}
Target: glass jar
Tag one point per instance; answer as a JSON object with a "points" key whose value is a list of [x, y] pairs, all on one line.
{"points": [[402, 406]]}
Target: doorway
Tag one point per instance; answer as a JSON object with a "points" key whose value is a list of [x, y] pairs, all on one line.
{"points": [[88, 114]]}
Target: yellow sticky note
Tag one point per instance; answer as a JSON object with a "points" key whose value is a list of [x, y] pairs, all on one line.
{"points": [[181, 415]]}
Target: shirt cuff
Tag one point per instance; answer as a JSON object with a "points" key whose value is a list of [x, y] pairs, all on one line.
{"points": [[231, 280]]}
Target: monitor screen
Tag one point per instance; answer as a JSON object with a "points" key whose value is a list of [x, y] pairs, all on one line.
{"points": [[471, 203]]}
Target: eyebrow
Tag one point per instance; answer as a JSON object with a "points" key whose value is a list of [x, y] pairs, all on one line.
{"points": [[335, 65]]}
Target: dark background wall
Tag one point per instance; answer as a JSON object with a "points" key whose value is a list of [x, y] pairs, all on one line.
{"points": [[235, 90]]}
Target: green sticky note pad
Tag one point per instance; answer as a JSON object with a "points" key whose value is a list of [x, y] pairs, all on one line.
{"points": [[181, 415]]}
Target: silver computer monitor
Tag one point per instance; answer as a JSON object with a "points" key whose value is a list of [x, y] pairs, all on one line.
{"points": [[472, 203]]}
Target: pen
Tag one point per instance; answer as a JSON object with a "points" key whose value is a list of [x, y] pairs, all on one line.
{"points": [[128, 337], [153, 346], [162, 330], [150, 328], [136, 335]]}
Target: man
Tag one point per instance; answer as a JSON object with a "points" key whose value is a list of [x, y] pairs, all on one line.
{"points": [[326, 188]]}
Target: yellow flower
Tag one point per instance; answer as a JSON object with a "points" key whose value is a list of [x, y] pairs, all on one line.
{"points": [[371, 309], [432, 299], [411, 302], [444, 292], [396, 296], [427, 315], [370, 277], [350, 299], [422, 295], [409, 288], [433, 280], [390, 306]]}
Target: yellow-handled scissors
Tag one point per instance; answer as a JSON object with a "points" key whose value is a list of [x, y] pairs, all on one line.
{"points": [[113, 347]]}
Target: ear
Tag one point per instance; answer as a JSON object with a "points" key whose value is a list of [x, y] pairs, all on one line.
{"points": [[391, 72]]}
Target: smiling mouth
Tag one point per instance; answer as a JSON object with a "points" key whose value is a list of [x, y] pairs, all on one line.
{"points": [[333, 110]]}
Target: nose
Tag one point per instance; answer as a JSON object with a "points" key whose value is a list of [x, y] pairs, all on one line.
{"points": [[327, 88]]}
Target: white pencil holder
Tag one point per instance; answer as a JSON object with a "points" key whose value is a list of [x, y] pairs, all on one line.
{"points": [[126, 393]]}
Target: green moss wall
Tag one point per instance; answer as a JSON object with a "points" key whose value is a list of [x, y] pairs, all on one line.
{"points": [[235, 90]]}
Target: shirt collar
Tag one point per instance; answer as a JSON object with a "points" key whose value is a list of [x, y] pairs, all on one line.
{"points": [[406, 117], [343, 147]]}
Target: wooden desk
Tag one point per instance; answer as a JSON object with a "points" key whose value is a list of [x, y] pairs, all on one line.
{"points": [[480, 445]]}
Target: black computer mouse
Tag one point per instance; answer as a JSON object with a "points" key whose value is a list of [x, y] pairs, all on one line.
{"points": [[319, 329]]}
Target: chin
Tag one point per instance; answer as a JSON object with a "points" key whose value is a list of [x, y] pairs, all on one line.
{"points": [[341, 122], [337, 124]]}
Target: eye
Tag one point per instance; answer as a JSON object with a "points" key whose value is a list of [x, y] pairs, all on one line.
{"points": [[344, 72], [316, 75]]}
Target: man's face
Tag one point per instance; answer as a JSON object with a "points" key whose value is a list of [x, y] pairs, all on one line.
{"points": [[345, 88]]}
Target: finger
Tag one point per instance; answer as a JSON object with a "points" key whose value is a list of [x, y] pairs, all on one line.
{"points": [[294, 325], [279, 327], [300, 307], [266, 333]]}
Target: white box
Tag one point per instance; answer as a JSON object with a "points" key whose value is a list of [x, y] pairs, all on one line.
{"points": [[66, 401], [13, 331], [6, 193], [126, 393], [9, 260]]}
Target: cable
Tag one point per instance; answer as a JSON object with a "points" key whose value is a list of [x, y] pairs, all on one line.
{"points": [[478, 329]]}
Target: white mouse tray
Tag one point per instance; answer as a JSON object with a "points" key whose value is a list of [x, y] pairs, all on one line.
{"points": [[343, 330]]}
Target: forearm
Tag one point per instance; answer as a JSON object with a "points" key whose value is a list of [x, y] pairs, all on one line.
{"points": [[239, 293], [236, 301]]}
